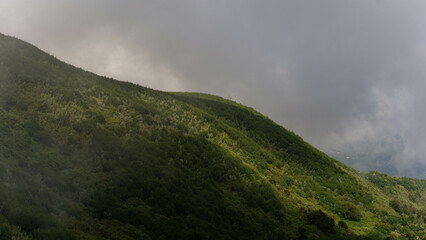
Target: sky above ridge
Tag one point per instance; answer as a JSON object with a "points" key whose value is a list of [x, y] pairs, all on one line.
{"points": [[348, 76]]}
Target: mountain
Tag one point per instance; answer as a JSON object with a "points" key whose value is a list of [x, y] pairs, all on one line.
{"points": [[88, 157]]}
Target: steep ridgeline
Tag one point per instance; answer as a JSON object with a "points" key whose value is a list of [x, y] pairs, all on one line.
{"points": [[87, 157]]}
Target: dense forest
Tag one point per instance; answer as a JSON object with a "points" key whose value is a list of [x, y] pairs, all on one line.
{"points": [[88, 157]]}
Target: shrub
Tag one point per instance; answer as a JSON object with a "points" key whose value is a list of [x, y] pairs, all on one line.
{"points": [[350, 212], [396, 205], [383, 227], [321, 221], [31, 218], [5, 232], [343, 225]]}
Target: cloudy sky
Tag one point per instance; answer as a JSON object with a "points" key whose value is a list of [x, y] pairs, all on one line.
{"points": [[348, 76]]}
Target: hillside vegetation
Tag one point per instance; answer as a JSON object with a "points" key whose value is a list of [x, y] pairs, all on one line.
{"points": [[88, 157]]}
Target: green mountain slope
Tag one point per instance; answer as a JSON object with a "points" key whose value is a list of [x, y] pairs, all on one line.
{"points": [[87, 157]]}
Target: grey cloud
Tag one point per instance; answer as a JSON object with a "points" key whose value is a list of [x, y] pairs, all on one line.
{"points": [[344, 75]]}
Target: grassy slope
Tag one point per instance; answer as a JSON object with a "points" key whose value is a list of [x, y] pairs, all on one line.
{"points": [[86, 157]]}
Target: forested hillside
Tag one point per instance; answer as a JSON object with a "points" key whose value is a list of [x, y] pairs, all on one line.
{"points": [[88, 157]]}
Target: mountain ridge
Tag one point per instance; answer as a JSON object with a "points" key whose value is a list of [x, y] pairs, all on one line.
{"points": [[88, 157]]}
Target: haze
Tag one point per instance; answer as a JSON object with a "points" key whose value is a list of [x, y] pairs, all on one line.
{"points": [[348, 76]]}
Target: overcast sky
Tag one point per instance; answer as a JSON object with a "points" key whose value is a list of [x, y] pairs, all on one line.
{"points": [[347, 76]]}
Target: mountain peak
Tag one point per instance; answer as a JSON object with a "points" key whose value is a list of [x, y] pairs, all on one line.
{"points": [[87, 157]]}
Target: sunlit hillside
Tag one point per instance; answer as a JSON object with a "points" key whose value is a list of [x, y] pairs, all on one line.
{"points": [[87, 157]]}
